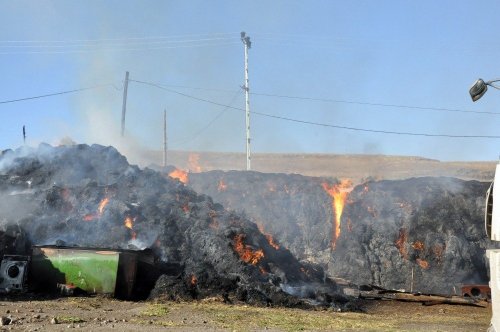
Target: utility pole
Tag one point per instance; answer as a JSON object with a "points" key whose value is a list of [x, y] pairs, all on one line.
{"points": [[124, 107], [24, 135], [246, 41], [164, 138]]}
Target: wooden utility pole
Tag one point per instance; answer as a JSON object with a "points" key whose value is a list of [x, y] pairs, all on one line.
{"points": [[246, 41], [124, 106], [165, 138]]}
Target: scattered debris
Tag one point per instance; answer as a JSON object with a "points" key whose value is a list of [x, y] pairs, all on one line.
{"points": [[373, 292], [476, 291], [13, 273]]}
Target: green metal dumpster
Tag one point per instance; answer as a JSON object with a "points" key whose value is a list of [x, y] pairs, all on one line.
{"points": [[92, 270]]}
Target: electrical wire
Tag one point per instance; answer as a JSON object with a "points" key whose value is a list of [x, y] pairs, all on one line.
{"points": [[135, 43], [328, 100], [120, 39], [374, 104], [316, 123], [187, 140], [55, 94], [117, 49]]}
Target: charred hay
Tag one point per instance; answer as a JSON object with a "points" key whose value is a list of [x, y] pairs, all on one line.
{"points": [[90, 196], [430, 228]]}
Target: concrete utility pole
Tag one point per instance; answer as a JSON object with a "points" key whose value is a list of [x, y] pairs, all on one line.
{"points": [[124, 107], [246, 41], [24, 135], [165, 138]]}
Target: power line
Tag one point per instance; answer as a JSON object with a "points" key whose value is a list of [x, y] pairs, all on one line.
{"points": [[54, 94], [440, 109], [329, 100], [316, 123], [187, 140], [120, 39], [154, 48], [122, 44]]}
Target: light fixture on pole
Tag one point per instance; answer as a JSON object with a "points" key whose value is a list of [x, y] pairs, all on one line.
{"points": [[479, 88]]}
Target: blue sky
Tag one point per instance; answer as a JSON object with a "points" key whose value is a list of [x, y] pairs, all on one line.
{"points": [[413, 53]]}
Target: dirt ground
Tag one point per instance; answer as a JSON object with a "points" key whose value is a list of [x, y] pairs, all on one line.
{"points": [[105, 314], [357, 168]]}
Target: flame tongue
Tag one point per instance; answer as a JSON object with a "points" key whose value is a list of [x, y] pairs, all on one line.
{"points": [[129, 223], [100, 210], [179, 174], [339, 193], [193, 280], [268, 237], [102, 205], [401, 243], [245, 252], [423, 263]]}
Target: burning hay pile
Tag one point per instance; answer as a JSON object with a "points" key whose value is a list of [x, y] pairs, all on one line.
{"points": [[420, 234], [90, 196], [425, 234]]}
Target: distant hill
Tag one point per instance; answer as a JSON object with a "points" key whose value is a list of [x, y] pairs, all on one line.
{"points": [[355, 167]]}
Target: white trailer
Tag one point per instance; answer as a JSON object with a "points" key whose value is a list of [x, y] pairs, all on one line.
{"points": [[492, 223]]}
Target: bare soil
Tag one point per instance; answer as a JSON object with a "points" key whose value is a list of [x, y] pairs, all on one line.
{"points": [[105, 314], [355, 167]]}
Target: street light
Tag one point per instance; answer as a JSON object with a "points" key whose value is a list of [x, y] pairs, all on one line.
{"points": [[479, 88]]}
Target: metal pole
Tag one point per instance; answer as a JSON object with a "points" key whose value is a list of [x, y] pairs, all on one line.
{"points": [[165, 138], [124, 106], [246, 41], [411, 285]]}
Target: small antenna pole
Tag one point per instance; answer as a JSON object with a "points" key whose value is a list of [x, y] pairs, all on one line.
{"points": [[164, 138], [124, 106]]}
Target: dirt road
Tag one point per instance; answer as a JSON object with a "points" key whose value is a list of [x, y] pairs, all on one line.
{"points": [[103, 314]]}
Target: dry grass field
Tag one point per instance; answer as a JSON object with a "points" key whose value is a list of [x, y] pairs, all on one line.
{"points": [[355, 167]]}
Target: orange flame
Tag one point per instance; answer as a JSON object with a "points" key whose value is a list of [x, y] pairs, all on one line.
{"points": [[89, 217], [339, 193], [222, 186], [100, 210], [180, 175], [128, 222], [423, 264], [245, 252], [418, 245], [193, 163], [401, 243], [193, 280], [102, 205], [268, 236]]}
